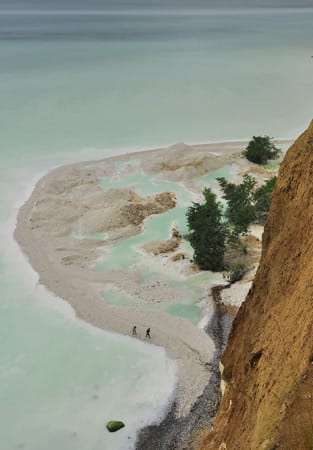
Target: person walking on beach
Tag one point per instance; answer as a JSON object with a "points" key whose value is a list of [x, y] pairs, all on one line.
{"points": [[134, 330], [148, 333]]}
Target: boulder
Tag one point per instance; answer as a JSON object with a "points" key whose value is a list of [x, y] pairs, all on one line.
{"points": [[115, 425]]}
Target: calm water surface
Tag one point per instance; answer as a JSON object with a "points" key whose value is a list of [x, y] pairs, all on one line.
{"points": [[79, 86]]}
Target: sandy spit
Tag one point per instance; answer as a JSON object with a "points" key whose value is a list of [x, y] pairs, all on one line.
{"points": [[69, 199]]}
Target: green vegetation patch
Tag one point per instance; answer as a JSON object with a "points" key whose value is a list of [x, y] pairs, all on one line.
{"points": [[214, 229], [235, 272], [260, 149], [207, 232]]}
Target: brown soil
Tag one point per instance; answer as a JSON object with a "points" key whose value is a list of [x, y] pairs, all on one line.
{"points": [[179, 257], [268, 401], [135, 212], [160, 247], [168, 246], [250, 256], [173, 167]]}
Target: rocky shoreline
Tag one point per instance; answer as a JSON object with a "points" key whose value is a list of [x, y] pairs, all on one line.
{"points": [[184, 433]]}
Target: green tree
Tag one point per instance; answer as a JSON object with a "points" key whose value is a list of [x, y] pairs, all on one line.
{"points": [[212, 228], [260, 149], [240, 210], [262, 199], [207, 232]]}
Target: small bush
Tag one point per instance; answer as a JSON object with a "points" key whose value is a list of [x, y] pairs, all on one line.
{"points": [[260, 149], [235, 272]]}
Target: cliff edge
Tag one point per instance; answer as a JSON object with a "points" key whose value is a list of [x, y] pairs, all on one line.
{"points": [[268, 362]]}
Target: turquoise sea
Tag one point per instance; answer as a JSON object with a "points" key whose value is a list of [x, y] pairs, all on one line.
{"points": [[79, 85]]}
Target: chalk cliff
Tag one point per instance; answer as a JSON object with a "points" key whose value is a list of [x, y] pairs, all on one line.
{"points": [[268, 362]]}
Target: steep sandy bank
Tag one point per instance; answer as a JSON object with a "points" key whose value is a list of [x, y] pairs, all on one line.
{"points": [[268, 360]]}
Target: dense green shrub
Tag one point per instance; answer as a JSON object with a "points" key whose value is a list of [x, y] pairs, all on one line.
{"points": [[260, 149], [240, 211], [235, 272], [212, 228], [262, 199], [245, 204], [207, 232]]}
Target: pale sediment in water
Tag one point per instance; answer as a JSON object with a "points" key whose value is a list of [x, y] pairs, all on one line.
{"points": [[72, 221]]}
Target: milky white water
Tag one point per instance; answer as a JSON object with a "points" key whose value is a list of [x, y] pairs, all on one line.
{"points": [[62, 380], [77, 86]]}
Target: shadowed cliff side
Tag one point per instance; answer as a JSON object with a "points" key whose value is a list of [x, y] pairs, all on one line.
{"points": [[268, 362]]}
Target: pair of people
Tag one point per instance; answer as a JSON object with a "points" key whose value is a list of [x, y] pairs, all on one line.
{"points": [[134, 332]]}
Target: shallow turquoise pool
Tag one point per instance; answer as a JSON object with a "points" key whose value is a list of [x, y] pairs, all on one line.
{"points": [[126, 253]]}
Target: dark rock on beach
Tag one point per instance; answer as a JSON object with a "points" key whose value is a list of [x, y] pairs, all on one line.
{"points": [[115, 425]]}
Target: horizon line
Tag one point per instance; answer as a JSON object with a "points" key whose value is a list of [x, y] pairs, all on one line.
{"points": [[163, 11]]}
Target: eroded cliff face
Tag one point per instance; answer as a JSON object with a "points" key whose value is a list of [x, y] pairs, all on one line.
{"points": [[268, 362]]}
